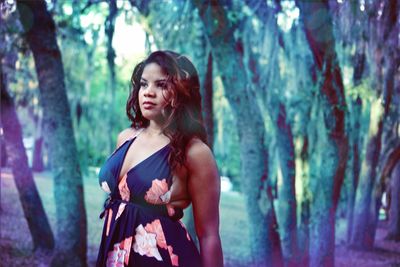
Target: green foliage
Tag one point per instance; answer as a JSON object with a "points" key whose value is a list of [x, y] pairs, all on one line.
{"points": [[363, 90]]}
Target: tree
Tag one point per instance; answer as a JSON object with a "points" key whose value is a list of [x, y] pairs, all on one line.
{"points": [[384, 32], [392, 169], [351, 32], [226, 49], [269, 90], [42, 236], [109, 30], [328, 136], [58, 134]]}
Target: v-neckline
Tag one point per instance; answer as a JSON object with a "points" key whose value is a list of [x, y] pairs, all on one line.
{"points": [[139, 163]]}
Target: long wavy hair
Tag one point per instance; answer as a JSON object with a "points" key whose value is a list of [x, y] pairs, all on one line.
{"points": [[183, 113]]}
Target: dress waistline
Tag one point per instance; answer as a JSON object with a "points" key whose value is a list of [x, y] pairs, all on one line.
{"points": [[160, 210]]}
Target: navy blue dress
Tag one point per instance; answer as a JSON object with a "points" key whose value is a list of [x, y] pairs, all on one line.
{"points": [[137, 229]]}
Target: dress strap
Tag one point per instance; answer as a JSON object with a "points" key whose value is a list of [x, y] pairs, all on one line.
{"points": [[138, 133]]}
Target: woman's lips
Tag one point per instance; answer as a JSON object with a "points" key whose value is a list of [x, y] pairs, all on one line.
{"points": [[148, 105]]}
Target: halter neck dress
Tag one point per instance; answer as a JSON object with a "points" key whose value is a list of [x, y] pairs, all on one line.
{"points": [[137, 229]]}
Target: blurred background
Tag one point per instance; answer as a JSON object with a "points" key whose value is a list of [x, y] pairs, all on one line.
{"points": [[300, 102]]}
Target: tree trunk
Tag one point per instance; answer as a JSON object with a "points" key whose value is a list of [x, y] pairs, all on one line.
{"points": [[354, 137], [286, 156], [329, 140], [265, 244], [58, 134], [38, 223], [287, 192], [37, 159], [207, 101], [394, 212], [109, 30], [354, 155], [391, 66], [369, 195], [303, 234], [287, 204], [362, 236]]}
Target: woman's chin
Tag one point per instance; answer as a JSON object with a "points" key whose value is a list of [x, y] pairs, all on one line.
{"points": [[151, 116]]}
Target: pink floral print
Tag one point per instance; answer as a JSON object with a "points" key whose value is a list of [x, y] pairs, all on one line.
{"points": [[149, 237], [121, 209], [123, 189], [156, 228], [120, 253], [146, 243], [174, 257], [158, 192], [109, 216], [105, 187]]}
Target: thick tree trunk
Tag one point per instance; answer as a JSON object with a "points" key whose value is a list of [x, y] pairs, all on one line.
{"points": [[368, 199], [329, 138], [287, 204], [58, 134], [265, 244], [391, 67], [38, 223], [362, 236]]}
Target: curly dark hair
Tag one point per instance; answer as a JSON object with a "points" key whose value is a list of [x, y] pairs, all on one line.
{"points": [[183, 114]]}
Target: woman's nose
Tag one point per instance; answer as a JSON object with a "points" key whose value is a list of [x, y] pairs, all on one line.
{"points": [[149, 91]]}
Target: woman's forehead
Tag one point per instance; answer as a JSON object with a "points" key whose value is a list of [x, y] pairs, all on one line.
{"points": [[153, 71]]}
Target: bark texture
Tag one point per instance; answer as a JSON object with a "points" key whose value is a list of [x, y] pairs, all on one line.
{"points": [[286, 203], [109, 28], [266, 245], [328, 137], [368, 197], [58, 134], [37, 220], [354, 136], [207, 103]]}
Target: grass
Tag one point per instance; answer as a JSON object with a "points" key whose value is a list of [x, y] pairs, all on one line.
{"points": [[17, 243]]}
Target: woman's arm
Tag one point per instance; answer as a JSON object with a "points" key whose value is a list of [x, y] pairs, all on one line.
{"points": [[204, 190]]}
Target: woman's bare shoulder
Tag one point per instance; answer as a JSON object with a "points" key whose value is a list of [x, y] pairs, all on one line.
{"points": [[198, 152], [126, 134]]}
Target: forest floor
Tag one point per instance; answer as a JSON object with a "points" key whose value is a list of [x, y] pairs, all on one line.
{"points": [[16, 243]]}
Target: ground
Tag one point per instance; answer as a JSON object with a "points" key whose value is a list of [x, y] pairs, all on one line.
{"points": [[16, 244]]}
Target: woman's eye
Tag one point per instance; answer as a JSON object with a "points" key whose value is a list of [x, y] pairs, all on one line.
{"points": [[162, 85], [142, 84]]}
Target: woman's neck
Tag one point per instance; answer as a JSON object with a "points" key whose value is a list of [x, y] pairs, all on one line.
{"points": [[154, 129]]}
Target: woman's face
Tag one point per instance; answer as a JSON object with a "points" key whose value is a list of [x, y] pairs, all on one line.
{"points": [[154, 94]]}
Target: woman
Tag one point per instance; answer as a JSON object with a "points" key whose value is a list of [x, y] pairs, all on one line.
{"points": [[160, 166]]}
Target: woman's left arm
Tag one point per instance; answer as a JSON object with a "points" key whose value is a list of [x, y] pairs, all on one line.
{"points": [[204, 189]]}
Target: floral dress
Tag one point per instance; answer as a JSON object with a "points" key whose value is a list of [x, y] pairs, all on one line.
{"points": [[138, 231]]}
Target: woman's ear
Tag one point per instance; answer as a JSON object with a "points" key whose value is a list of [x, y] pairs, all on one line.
{"points": [[173, 102]]}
